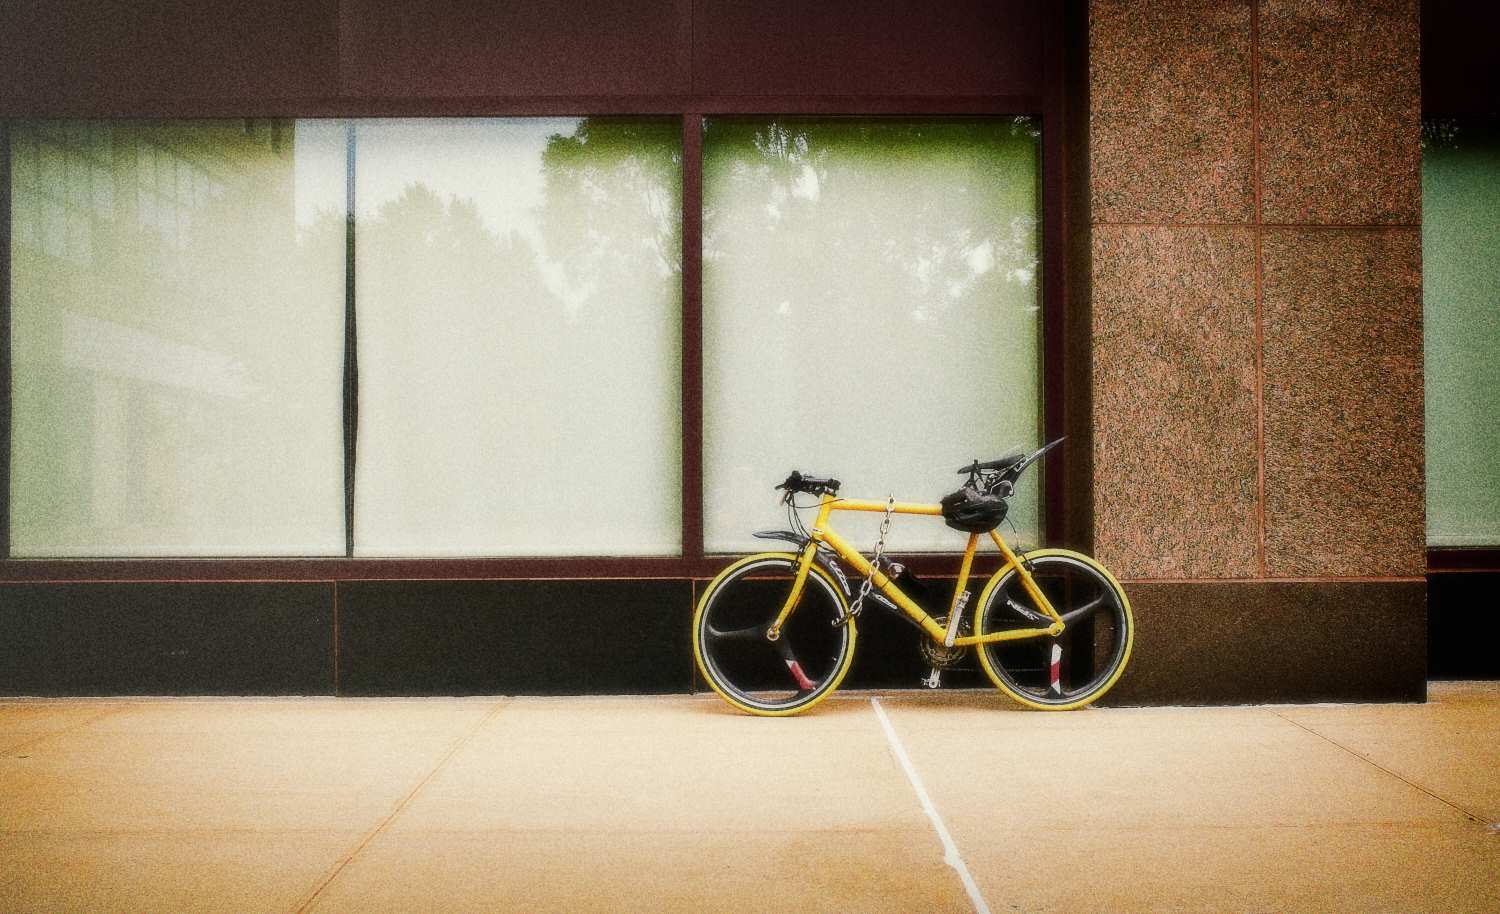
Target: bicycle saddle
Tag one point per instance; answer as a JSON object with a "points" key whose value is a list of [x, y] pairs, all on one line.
{"points": [[1013, 463], [999, 463]]}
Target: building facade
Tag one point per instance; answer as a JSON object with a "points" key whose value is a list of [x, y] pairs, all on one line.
{"points": [[360, 348]]}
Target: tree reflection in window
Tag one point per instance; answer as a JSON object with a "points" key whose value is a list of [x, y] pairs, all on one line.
{"points": [[901, 256], [518, 297]]}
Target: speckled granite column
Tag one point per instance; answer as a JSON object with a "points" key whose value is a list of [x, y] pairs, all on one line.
{"points": [[1341, 182], [1257, 378], [1172, 148]]}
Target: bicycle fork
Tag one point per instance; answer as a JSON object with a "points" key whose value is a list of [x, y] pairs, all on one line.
{"points": [[804, 566]]}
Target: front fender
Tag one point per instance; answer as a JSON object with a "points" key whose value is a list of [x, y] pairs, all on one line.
{"points": [[824, 558]]}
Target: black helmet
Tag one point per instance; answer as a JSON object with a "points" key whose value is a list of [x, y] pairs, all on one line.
{"points": [[972, 511]]}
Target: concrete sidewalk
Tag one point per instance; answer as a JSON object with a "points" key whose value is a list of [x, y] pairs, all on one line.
{"points": [[680, 804]]}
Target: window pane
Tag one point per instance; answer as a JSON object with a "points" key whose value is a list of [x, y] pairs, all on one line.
{"points": [[518, 286], [870, 313], [178, 362], [1461, 317]]}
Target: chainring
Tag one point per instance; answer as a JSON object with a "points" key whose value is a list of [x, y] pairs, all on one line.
{"points": [[939, 656]]}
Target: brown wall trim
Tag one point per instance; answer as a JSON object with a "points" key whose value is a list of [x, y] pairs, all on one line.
{"points": [[1397, 579], [546, 105], [1334, 226], [16, 571]]}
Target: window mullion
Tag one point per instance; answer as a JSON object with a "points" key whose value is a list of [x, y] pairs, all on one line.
{"points": [[692, 335]]}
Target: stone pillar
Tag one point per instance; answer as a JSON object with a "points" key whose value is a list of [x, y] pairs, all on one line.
{"points": [[1257, 344]]}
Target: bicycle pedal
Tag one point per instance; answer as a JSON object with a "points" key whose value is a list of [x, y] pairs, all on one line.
{"points": [[933, 679]]}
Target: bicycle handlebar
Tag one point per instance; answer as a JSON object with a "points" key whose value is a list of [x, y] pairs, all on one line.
{"points": [[812, 485]]}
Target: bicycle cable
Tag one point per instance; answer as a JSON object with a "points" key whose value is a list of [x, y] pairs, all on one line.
{"points": [[794, 518]]}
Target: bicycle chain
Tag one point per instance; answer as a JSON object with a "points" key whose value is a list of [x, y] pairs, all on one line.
{"points": [[864, 588]]}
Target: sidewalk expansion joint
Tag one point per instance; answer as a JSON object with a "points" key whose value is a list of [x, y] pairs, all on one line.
{"points": [[10, 751], [951, 855], [309, 900], [1472, 817]]}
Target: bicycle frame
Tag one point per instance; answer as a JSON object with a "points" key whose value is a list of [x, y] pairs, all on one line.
{"points": [[822, 533]]}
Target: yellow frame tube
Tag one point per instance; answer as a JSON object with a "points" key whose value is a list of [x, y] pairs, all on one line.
{"points": [[862, 504], [886, 585], [1019, 634], [963, 575], [1013, 561]]}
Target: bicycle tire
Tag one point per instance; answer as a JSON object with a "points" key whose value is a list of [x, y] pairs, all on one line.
{"points": [[1093, 651], [746, 669]]}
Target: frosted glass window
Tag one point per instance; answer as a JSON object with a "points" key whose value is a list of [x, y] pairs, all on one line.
{"points": [[518, 285], [1461, 323], [177, 352], [871, 312]]}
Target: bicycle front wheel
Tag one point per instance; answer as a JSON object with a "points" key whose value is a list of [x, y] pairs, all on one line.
{"points": [[765, 677], [1078, 666]]}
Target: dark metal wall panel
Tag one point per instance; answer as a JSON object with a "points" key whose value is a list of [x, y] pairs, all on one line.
{"points": [[330, 57], [446, 48], [1463, 625], [166, 639], [80, 57], [1249, 642], [514, 637], [1460, 74], [859, 47], [1225, 643]]}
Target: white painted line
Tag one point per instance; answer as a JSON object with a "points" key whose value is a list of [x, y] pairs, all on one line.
{"points": [[950, 850]]}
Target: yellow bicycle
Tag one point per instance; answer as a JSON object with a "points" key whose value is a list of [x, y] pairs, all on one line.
{"points": [[774, 633]]}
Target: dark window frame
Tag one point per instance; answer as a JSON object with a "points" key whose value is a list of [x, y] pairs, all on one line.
{"points": [[1459, 559], [1459, 84], [1064, 383]]}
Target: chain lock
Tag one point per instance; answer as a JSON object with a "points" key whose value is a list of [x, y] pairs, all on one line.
{"points": [[864, 588]]}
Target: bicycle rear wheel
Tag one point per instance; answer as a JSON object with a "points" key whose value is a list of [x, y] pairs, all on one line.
{"points": [[1082, 663], [766, 677]]}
